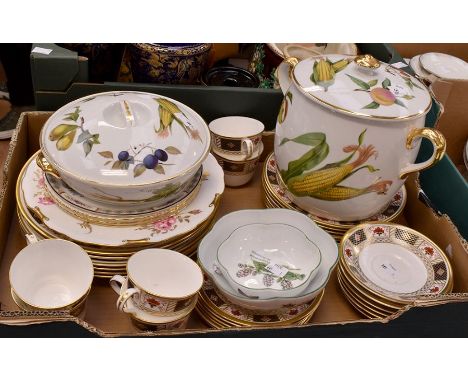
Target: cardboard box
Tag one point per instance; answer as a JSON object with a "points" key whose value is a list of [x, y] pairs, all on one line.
{"points": [[444, 316]]}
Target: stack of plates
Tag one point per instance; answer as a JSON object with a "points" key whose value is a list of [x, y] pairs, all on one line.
{"points": [[384, 267], [275, 197], [264, 268], [432, 66], [110, 243], [220, 313]]}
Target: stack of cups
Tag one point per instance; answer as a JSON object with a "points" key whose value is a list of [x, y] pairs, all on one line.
{"points": [[236, 143], [160, 289]]}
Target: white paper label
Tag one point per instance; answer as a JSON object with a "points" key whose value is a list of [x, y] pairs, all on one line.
{"points": [[276, 269], [40, 50], [399, 65]]}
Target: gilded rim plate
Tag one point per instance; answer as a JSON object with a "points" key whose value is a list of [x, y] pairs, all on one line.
{"points": [[276, 191], [216, 304], [31, 194], [395, 262]]}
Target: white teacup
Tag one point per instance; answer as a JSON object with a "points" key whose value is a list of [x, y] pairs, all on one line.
{"points": [[236, 136], [52, 274], [160, 282]]}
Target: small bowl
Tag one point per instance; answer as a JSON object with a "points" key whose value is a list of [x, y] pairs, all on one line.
{"points": [[51, 274], [269, 260]]}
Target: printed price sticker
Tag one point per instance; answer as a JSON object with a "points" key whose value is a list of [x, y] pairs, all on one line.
{"points": [[276, 269]]}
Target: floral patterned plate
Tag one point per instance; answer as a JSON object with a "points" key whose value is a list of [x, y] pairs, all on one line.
{"points": [[275, 189], [31, 195], [395, 262]]}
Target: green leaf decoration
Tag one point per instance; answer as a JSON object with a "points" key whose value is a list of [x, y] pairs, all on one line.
{"points": [[309, 160], [159, 169], [172, 150], [60, 130], [361, 137], [408, 97], [372, 83], [314, 75], [87, 147], [106, 154], [309, 139], [124, 165], [85, 135], [399, 103], [386, 83], [95, 139], [108, 162], [360, 83], [138, 170], [74, 115], [117, 165], [372, 105], [409, 84], [289, 96], [415, 85]]}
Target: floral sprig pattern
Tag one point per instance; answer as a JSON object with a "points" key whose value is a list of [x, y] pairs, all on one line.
{"points": [[169, 224], [385, 95], [42, 195], [64, 134]]}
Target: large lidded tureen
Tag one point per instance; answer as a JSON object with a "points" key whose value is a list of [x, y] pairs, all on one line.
{"points": [[124, 148], [348, 133]]}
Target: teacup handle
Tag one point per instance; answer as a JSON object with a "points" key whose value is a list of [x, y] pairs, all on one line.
{"points": [[247, 147], [438, 142], [120, 286]]}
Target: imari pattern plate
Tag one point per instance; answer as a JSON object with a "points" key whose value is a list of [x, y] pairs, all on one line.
{"points": [[396, 262], [276, 190], [214, 302]]}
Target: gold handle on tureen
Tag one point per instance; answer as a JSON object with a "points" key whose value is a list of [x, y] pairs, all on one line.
{"points": [[284, 73], [45, 166], [438, 142]]}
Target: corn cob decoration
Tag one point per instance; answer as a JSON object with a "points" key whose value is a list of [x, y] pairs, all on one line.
{"points": [[167, 114], [324, 71], [314, 181], [337, 193], [324, 182]]}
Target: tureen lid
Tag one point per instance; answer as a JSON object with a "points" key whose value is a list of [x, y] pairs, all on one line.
{"points": [[362, 86], [125, 138]]}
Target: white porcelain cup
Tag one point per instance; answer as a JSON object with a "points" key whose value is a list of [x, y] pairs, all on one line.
{"points": [[160, 282], [236, 136], [238, 172], [52, 274]]}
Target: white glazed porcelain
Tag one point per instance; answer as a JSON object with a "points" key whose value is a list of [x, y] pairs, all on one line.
{"points": [[164, 282], [170, 321], [236, 136], [84, 140], [207, 258], [238, 172], [395, 262], [269, 260], [51, 274], [420, 71], [32, 196], [444, 66], [348, 134]]}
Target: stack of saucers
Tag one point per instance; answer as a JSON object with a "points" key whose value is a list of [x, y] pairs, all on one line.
{"points": [[119, 172], [275, 197], [264, 268], [384, 267]]}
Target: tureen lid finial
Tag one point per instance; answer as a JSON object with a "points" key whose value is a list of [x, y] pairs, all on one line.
{"points": [[367, 61]]}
